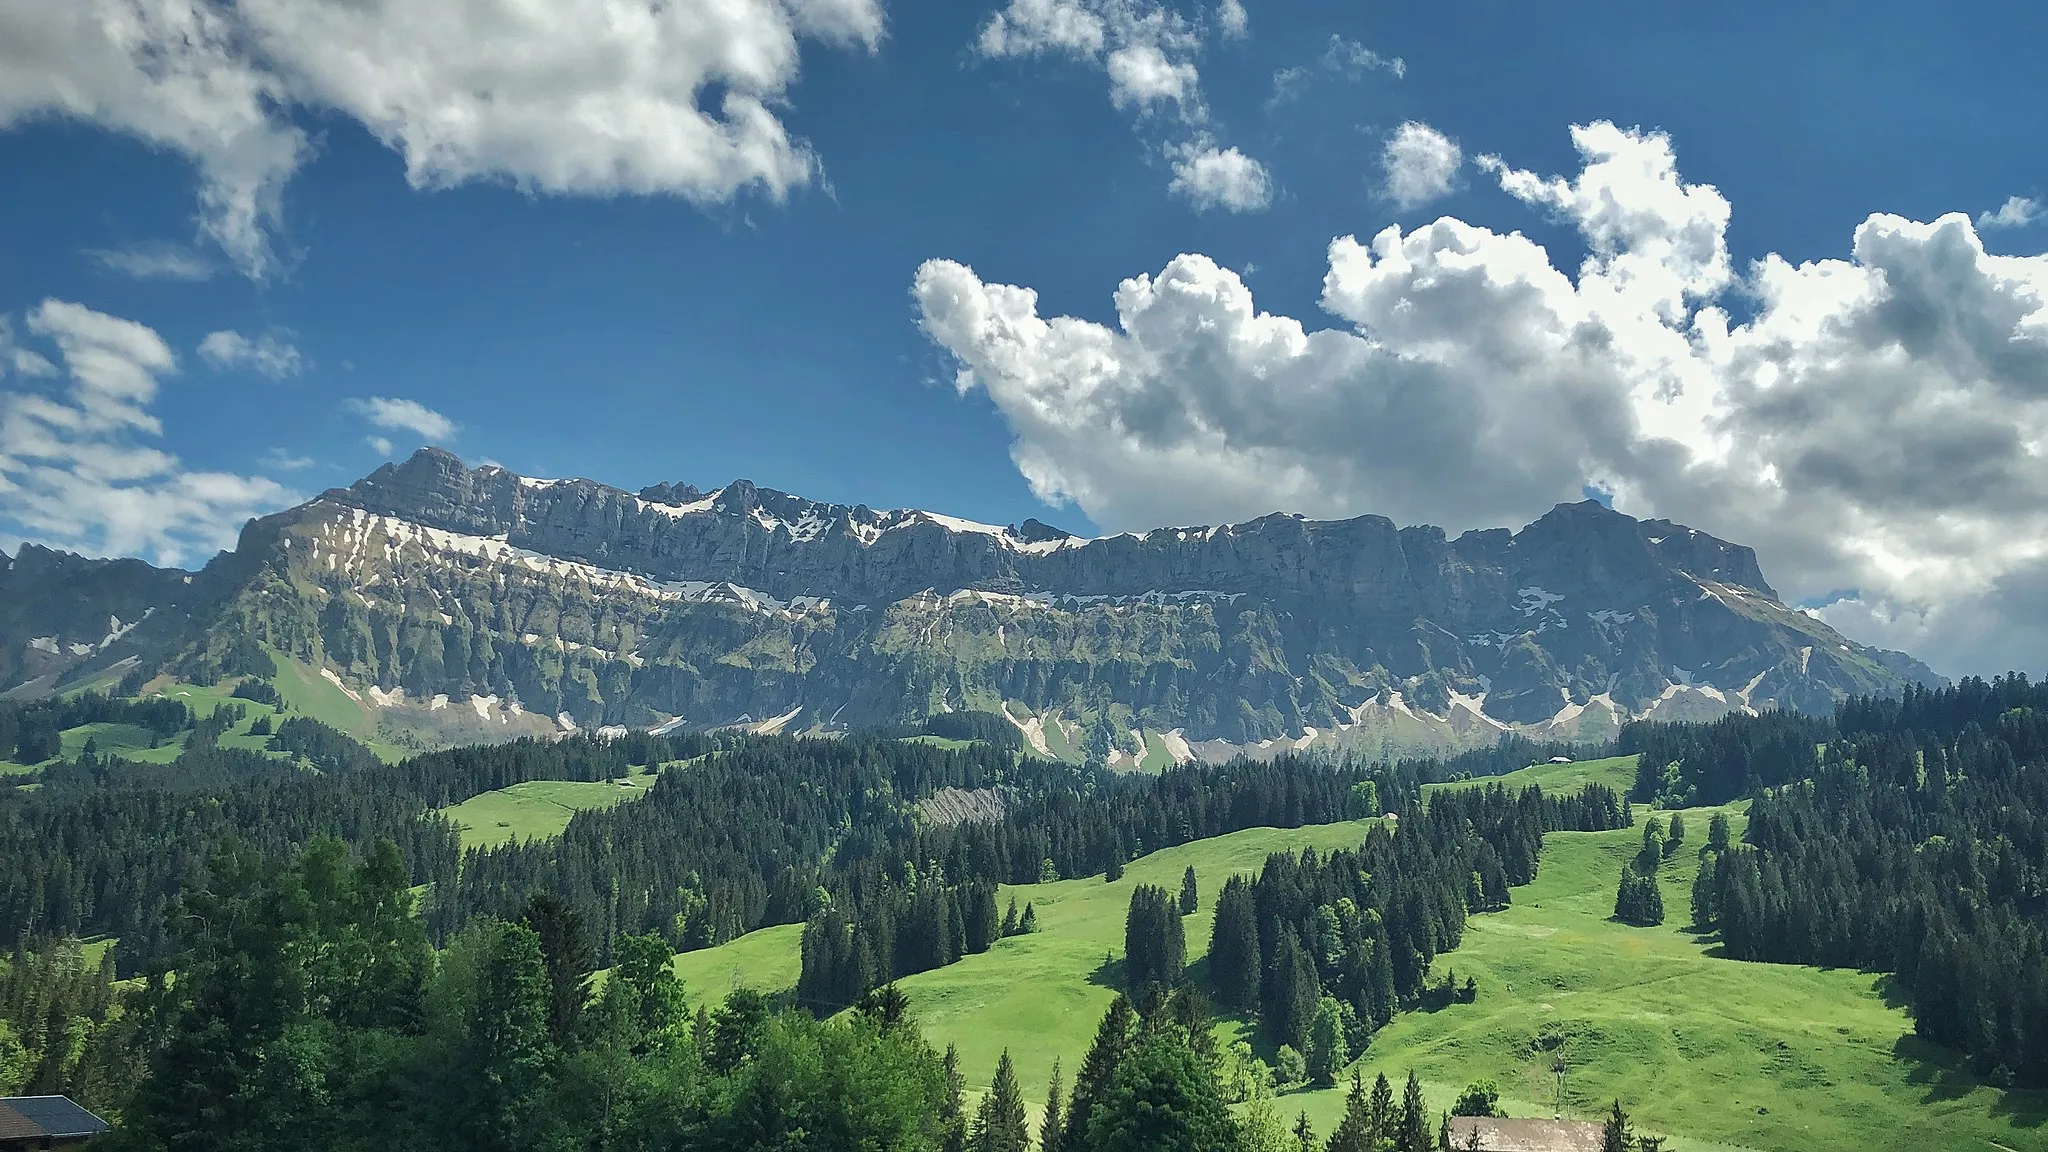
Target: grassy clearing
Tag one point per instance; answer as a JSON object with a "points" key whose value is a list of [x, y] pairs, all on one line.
{"points": [[1617, 772], [537, 809], [947, 742], [767, 960]]}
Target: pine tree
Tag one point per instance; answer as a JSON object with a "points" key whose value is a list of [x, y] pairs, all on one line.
{"points": [[1356, 1132], [1098, 1069], [1234, 946], [999, 1123], [1050, 1127], [1190, 896], [1379, 1110], [569, 960], [1413, 1133], [952, 1106], [1717, 833], [1615, 1136]]}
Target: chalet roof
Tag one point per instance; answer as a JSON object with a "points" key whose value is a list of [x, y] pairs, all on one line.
{"points": [[39, 1117], [1517, 1135]]}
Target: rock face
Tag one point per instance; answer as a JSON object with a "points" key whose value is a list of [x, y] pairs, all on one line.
{"points": [[63, 615], [746, 605]]}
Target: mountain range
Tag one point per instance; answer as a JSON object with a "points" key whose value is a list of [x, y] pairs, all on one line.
{"points": [[456, 603]]}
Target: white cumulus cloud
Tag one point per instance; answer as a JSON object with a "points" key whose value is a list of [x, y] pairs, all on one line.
{"points": [[1231, 18], [76, 468], [1876, 422], [595, 97], [403, 416], [269, 354], [1420, 163], [2016, 212], [1212, 177]]}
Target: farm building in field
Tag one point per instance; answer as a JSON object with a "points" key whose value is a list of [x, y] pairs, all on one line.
{"points": [[45, 1122], [1498, 1134]]}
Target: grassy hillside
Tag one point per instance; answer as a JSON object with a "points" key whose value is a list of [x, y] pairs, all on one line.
{"points": [[1746, 1055], [1724, 1055], [538, 809]]}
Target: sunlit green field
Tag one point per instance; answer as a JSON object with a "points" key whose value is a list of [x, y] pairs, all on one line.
{"points": [[1716, 1053], [537, 809]]}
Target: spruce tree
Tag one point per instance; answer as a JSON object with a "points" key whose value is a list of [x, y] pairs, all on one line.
{"points": [[1115, 871], [1234, 946], [1098, 1068], [999, 1123], [1356, 1131], [1413, 1133], [569, 959], [1717, 833], [1164, 1096], [1010, 919], [1028, 923], [1615, 1136], [1379, 1110], [1051, 1127], [1190, 896], [952, 1106], [1304, 1133]]}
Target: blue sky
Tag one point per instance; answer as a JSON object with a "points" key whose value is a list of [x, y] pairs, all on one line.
{"points": [[645, 335]]}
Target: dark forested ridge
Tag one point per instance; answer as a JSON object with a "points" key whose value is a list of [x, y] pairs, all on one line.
{"points": [[107, 846]]}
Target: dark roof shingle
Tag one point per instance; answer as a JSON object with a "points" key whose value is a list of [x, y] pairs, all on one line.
{"points": [[29, 1117]]}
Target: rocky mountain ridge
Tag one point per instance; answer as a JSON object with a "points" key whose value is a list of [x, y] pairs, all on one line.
{"points": [[429, 580]]}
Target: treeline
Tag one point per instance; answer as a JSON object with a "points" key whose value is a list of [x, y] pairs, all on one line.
{"points": [[1692, 765], [1059, 822], [1919, 848], [871, 935], [107, 846], [311, 1015], [33, 732], [1324, 949]]}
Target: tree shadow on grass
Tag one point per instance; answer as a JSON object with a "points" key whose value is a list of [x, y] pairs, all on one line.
{"points": [[1110, 974], [1946, 1076]]}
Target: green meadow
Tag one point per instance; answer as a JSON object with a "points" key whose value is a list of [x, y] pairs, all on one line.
{"points": [[537, 809], [1716, 1053]]}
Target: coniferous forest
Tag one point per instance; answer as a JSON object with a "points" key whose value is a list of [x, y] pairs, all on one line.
{"points": [[1918, 846], [309, 930]]}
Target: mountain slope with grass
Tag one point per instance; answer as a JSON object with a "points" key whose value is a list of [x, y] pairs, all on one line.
{"points": [[460, 604]]}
